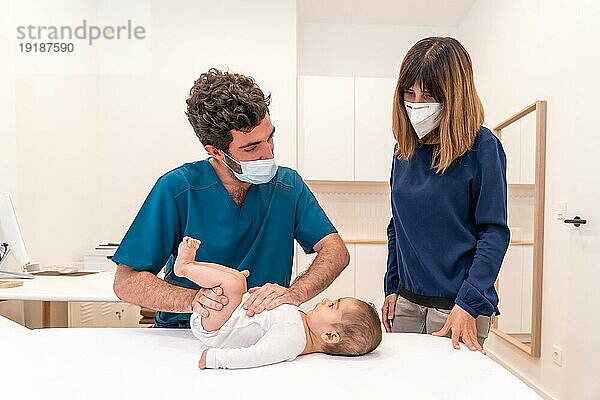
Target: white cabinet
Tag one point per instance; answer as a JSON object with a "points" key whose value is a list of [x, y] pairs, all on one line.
{"points": [[509, 290], [374, 140], [362, 278], [345, 128], [518, 140], [326, 127], [511, 141], [515, 290], [527, 289], [345, 135], [528, 145], [370, 265], [343, 286], [103, 315]]}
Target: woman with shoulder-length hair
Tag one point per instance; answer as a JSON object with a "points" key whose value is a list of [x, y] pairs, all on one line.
{"points": [[448, 233]]}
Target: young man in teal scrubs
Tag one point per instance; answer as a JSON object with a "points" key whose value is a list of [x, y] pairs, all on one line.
{"points": [[245, 210]]}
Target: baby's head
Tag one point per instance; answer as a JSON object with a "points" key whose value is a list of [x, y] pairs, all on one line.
{"points": [[346, 326]]}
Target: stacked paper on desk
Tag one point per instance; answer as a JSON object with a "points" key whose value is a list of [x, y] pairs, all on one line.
{"points": [[99, 259]]}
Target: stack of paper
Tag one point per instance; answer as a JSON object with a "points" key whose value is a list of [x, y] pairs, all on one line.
{"points": [[99, 259]]}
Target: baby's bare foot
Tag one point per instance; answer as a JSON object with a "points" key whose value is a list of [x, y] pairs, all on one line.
{"points": [[186, 254]]}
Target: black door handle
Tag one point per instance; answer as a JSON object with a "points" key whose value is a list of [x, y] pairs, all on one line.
{"points": [[576, 221]]}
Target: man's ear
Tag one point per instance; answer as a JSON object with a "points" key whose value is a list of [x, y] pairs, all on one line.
{"points": [[331, 337], [213, 152]]}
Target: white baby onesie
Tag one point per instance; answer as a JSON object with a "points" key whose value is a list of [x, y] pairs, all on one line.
{"points": [[244, 342]]}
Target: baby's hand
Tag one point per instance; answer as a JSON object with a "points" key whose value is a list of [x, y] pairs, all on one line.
{"points": [[202, 362]]}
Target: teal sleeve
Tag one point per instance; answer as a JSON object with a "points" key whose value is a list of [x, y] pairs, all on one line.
{"points": [[155, 232], [311, 223]]}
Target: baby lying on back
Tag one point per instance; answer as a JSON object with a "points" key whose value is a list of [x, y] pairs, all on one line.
{"points": [[345, 327]]}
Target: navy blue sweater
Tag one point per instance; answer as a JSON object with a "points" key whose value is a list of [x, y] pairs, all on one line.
{"points": [[448, 233]]}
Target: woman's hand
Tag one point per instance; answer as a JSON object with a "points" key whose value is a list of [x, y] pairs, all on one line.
{"points": [[387, 311], [463, 327]]}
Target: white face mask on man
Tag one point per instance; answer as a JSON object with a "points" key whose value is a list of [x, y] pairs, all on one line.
{"points": [[254, 172], [424, 117]]}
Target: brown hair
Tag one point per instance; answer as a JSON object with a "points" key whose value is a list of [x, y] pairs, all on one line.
{"points": [[220, 102], [360, 331], [442, 66]]}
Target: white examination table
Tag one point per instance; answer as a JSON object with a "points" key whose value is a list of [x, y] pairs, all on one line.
{"points": [[139, 364]]}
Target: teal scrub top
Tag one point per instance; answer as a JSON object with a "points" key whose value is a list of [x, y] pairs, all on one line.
{"points": [[259, 236]]}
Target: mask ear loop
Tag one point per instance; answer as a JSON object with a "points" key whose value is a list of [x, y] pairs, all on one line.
{"points": [[233, 173], [231, 158]]}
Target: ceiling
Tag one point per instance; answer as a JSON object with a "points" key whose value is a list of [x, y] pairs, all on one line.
{"points": [[385, 12]]}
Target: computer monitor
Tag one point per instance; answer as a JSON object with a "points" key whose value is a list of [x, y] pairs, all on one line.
{"points": [[11, 241]]}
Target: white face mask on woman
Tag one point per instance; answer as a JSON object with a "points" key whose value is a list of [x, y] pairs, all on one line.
{"points": [[255, 172], [424, 117]]}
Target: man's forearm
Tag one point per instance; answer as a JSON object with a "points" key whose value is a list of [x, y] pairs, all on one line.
{"points": [[146, 290], [331, 260]]}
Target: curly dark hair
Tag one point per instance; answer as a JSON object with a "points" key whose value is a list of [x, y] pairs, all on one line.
{"points": [[220, 102]]}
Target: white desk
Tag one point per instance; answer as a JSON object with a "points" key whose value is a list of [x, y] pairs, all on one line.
{"points": [[96, 363], [94, 287]]}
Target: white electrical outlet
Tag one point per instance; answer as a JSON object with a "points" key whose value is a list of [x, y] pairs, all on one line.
{"points": [[557, 355], [561, 210]]}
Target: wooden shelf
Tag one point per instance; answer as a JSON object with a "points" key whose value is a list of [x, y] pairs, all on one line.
{"points": [[365, 241], [384, 241], [340, 182], [522, 185]]}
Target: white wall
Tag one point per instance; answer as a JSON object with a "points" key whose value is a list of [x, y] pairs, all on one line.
{"points": [[8, 144], [90, 145], [8, 139], [367, 50], [532, 50]]}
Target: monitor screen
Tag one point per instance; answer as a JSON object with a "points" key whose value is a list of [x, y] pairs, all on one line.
{"points": [[10, 232]]}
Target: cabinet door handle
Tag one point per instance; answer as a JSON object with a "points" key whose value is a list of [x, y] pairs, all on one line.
{"points": [[576, 221]]}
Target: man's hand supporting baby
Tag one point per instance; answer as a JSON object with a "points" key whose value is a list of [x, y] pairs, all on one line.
{"points": [[332, 258]]}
